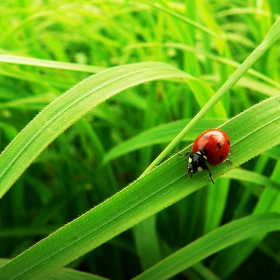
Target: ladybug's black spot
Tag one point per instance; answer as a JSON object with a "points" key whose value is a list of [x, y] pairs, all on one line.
{"points": [[228, 142], [221, 157], [219, 146]]}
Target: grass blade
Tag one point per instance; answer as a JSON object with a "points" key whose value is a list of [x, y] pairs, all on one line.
{"points": [[67, 109], [212, 242]]}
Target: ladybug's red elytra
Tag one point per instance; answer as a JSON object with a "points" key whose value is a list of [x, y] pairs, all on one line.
{"points": [[212, 146]]}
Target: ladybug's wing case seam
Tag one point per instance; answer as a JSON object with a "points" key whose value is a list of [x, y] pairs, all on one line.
{"points": [[214, 144]]}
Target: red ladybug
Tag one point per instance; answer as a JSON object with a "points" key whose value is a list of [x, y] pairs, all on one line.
{"points": [[210, 146]]}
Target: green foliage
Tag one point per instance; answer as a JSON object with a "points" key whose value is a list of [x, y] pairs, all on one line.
{"points": [[103, 147]]}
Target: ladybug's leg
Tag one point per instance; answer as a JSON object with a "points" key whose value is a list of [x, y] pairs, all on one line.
{"points": [[210, 174], [183, 155]]}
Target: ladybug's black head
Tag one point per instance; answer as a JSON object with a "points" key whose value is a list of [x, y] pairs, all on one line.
{"points": [[196, 163]]}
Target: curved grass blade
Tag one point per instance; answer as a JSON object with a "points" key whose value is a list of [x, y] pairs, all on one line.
{"points": [[211, 243], [68, 108]]}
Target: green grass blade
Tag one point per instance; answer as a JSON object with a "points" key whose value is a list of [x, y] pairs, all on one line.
{"points": [[67, 109], [20, 60], [252, 177], [209, 244], [148, 195], [147, 247], [66, 273]]}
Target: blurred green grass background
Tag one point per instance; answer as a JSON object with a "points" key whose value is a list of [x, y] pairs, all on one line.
{"points": [[71, 41]]}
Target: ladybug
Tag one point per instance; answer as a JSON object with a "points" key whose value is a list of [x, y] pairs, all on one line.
{"points": [[212, 146]]}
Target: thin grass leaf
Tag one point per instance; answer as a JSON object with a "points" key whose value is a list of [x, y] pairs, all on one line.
{"points": [[252, 177], [209, 244], [20, 60], [158, 135]]}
